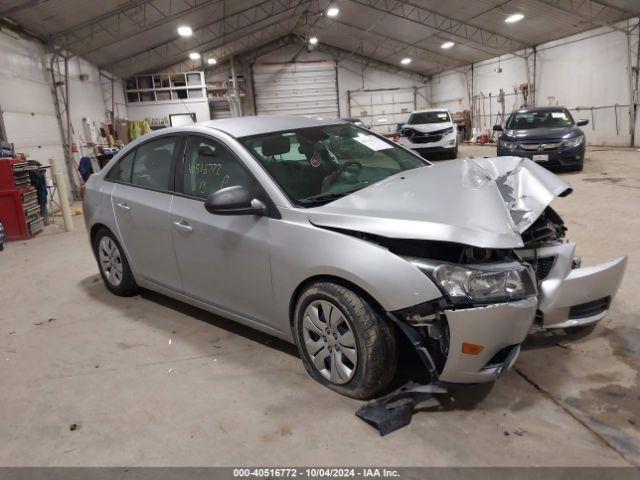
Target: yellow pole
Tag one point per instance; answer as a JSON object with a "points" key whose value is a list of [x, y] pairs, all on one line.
{"points": [[61, 183]]}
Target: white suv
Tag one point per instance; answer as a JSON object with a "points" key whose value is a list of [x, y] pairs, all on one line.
{"points": [[430, 131]]}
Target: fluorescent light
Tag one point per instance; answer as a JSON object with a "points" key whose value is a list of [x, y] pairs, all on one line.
{"points": [[313, 40], [185, 31], [447, 45], [194, 55], [211, 61], [383, 119], [333, 11], [516, 17], [405, 61]]}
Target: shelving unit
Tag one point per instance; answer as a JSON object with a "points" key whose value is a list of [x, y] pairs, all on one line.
{"points": [[163, 87], [219, 93]]}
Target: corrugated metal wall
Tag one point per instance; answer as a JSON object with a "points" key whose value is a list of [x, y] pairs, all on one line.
{"points": [[303, 88]]}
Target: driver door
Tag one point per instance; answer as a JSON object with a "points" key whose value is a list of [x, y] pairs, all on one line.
{"points": [[224, 259]]}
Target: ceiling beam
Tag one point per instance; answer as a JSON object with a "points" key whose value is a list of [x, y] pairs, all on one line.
{"points": [[466, 33], [7, 12], [210, 35], [380, 41], [119, 26], [591, 11], [133, 16]]}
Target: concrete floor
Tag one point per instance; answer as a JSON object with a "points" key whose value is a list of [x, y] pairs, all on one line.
{"points": [[150, 381]]}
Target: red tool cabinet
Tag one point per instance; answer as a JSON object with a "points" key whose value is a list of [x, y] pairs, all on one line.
{"points": [[19, 208]]}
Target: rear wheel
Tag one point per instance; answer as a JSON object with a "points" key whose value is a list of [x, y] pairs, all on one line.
{"points": [[114, 268], [344, 343]]}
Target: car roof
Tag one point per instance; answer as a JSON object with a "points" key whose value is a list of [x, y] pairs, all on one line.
{"points": [[425, 110], [540, 109], [247, 126]]}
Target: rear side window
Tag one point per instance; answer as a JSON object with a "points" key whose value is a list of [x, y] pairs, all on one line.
{"points": [[152, 165], [121, 172]]}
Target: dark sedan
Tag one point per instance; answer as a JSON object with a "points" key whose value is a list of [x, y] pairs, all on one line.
{"points": [[547, 135]]}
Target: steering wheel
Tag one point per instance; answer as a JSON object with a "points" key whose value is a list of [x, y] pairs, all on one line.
{"points": [[343, 168]]}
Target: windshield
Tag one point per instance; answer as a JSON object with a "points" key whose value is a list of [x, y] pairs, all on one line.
{"points": [[539, 119], [319, 164], [428, 117]]}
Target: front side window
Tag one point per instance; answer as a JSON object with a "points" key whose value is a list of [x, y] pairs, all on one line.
{"points": [[152, 165], [121, 172], [319, 164], [428, 117], [528, 119], [209, 166]]}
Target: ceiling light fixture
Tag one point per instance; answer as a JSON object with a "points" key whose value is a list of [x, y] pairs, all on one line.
{"points": [[211, 61], [185, 31], [405, 61], [516, 17], [333, 11], [313, 40], [194, 55], [447, 45]]}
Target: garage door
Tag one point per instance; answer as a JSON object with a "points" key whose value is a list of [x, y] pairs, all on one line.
{"points": [[382, 109], [302, 88]]}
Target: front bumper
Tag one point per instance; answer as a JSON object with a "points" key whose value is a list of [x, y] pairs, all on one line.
{"points": [[446, 144], [499, 328], [558, 158], [574, 297]]}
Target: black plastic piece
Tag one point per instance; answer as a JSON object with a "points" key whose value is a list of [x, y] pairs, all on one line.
{"points": [[394, 410]]}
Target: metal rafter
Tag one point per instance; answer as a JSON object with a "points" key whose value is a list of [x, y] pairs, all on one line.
{"points": [[126, 23], [592, 11], [243, 41], [396, 47], [210, 35], [19, 7], [466, 33]]}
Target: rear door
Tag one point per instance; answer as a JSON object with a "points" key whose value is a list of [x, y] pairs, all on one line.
{"points": [[224, 259], [142, 201]]}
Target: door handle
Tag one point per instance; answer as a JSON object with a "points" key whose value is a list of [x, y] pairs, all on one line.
{"points": [[123, 206], [184, 226]]}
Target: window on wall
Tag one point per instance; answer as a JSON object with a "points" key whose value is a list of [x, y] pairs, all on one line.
{"points": [[165, 87], [152, 165], [210, 166]]}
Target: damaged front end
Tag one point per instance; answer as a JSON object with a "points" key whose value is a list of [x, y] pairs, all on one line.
{"points": [[570, 296], [472, 333], [483, 232]]}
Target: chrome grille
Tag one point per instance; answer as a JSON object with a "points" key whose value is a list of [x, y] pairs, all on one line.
{"points": [[540, 147]]}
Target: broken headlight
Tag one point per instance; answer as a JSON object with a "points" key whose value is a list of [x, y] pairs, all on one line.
{"points": [[480, 283]]}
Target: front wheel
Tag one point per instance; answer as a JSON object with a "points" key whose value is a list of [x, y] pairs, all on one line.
{"points": [[345, 344]]}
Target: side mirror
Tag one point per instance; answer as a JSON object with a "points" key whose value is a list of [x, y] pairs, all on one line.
{"points": [[498, 128], [234, 200], [582, 123]]}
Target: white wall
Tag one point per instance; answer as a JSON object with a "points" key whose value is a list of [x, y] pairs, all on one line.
{"points": [[579, 72], [26, 101]]}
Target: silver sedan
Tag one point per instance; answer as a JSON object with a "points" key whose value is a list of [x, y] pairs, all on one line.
{"points": [[352, 247]]}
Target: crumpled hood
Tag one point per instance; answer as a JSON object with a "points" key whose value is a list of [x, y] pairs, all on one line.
{"points": [[484, 202], [429, 127]]}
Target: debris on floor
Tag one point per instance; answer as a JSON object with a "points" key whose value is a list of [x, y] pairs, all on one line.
{"points": [[49, 320], [74, 426]]}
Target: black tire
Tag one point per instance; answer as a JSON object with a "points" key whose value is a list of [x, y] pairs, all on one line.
{"points": [[127, 287], [375, 342], [453, 154]]}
